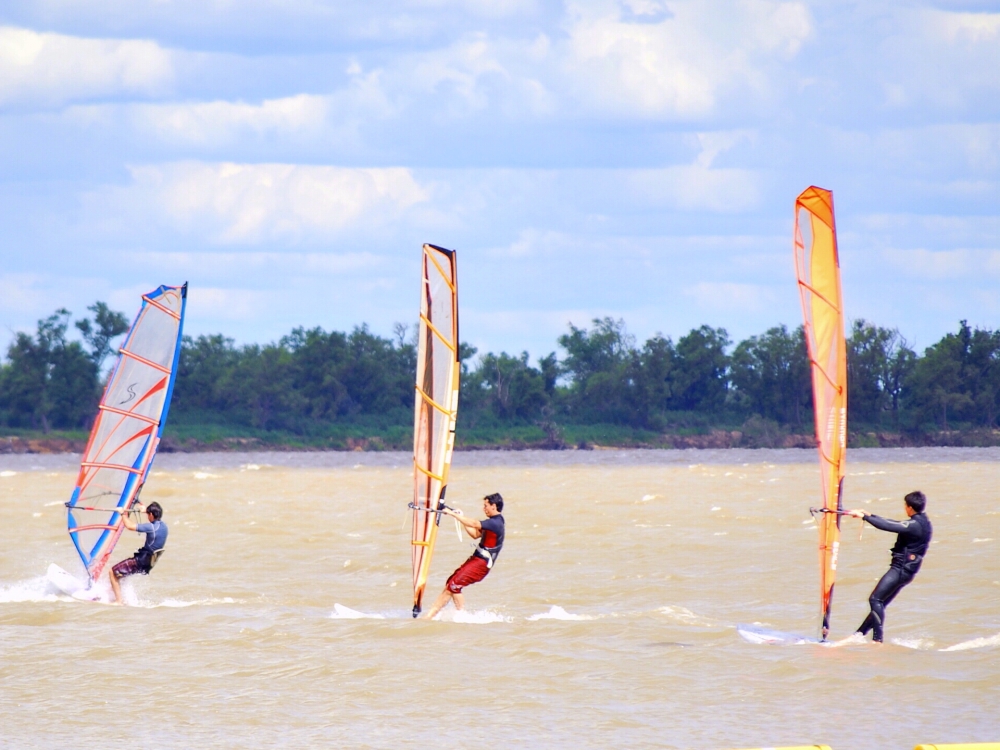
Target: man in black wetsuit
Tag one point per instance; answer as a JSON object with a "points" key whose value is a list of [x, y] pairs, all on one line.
{"points": [[914, 537]]}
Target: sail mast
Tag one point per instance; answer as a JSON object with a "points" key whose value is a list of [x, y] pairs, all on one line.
{"points": [[817, 267], [435, 406], [129, 424]]}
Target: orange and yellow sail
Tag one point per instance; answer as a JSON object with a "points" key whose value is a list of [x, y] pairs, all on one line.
{"points": [[817, 267], [435, 406]]}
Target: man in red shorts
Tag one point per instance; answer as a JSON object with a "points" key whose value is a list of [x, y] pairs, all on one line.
{"points": [[490, 533]]}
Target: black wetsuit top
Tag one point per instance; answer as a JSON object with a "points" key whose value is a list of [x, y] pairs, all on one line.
{"points": [[914, 537]]}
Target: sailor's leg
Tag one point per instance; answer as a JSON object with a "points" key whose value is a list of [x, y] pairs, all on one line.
{"points": [[438, 605], [114, 586], [459, 600], [883, 593]]}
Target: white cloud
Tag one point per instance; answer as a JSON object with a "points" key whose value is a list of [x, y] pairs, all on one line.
{"points": [[51, 69], [229, 304], [679, 66], [222, 122], [940, 59], [250, 203], [22, 291], [731, 297], [253, 262], [964, 28], [944, 265], [696, 188]]}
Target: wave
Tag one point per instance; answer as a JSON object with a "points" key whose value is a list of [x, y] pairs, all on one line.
{"points": [[42, 590], [686, 616], [340, 612], [558, 613], [989, 641]]}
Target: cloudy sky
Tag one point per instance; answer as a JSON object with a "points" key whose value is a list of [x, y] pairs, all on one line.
{"points": [[631, 158]]}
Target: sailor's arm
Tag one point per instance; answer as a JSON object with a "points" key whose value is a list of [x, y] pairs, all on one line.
{"points": [[472, 527], [885, 524], [129, 519]]}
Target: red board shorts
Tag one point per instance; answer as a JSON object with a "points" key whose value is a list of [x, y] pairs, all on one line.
{"points": [[471, 571], [128, 567]]}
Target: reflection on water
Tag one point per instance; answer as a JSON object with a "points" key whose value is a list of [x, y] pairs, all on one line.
{"points": [[279, 614]]}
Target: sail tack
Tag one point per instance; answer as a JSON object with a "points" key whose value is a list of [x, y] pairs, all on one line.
{"points": [[128, 427], [435, 406], [817, 266]]}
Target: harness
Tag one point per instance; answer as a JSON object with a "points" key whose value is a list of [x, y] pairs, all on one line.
{"points": [[912, 553], [486, 553], [148, 557]]}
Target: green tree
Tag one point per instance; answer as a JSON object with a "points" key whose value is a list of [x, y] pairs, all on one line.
{"points": [[653, 374], [600, 365], [770, 375], [206, 363], [49, 382], [957, 377], [878, 365], [105, 328], [700, 381], [515, 391]]}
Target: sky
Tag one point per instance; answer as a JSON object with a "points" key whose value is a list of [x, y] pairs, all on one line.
{"points": [[637, 159]]}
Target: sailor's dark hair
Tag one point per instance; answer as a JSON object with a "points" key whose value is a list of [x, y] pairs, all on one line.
{"points": [[496, 500], [917, 501], [155, 510]]}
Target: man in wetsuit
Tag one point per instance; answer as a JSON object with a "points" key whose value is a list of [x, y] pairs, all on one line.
{"points": [[145, 557], [490, 532], [914, 537]]}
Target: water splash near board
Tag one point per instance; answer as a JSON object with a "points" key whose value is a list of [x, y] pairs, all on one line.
{"points": [[72, 586]]}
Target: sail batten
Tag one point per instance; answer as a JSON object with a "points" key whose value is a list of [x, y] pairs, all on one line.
{"points": [[128, 427], [817, 268], [435, 406]]}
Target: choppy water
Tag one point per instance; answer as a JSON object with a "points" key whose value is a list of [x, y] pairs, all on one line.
{"points": [[607, 622]]}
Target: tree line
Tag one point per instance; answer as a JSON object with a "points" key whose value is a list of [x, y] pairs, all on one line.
{"points": [[311, 379]]}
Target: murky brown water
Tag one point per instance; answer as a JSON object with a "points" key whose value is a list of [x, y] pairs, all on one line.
{"points": [[607, 622]]}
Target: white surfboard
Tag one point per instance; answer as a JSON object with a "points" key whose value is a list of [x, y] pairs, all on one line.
{"points": [[72, 586], [757, 634]]}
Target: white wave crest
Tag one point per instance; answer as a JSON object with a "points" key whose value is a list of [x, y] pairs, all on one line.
{"points": [[33, 590], [685, 616], [340, 612], [467, 617], [558, 613], [993, 640], [918, 644]]}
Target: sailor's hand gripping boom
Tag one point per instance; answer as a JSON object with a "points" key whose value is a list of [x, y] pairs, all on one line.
{"points": [[852, 513], [441, 510]]}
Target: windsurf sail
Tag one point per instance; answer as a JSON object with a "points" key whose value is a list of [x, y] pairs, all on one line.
{"points": [[126, 433], [435, 406], [817, 267]]}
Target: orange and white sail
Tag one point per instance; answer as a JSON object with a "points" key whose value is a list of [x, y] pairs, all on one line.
{"points": [[130, 421], [817, 266], [435, 406]]}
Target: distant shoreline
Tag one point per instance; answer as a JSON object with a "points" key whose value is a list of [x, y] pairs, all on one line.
{"points": [[610, 459], [713, 440]]}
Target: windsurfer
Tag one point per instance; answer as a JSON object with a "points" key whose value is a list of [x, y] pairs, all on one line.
{"points": [[145, 557], [490, 532], [914, 537]]}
